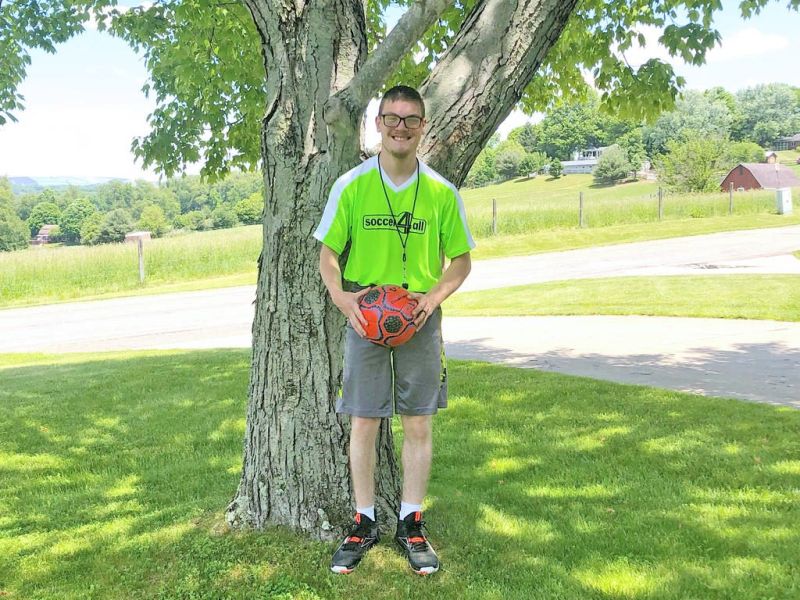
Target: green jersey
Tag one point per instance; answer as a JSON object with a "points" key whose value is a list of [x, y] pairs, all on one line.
{"points": [[377, 218]]}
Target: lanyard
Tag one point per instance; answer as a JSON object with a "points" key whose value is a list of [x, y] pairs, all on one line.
{"points": [[403, 241]]}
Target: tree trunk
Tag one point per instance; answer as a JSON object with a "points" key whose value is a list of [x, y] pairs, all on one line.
{"points": [[482, 76], [295, 468]]}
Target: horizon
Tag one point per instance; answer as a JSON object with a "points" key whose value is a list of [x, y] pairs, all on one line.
{"points": [[84, 103]]}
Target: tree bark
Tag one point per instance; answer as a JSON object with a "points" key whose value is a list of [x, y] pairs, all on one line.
{"points": [[483, 74], [295, 466]]}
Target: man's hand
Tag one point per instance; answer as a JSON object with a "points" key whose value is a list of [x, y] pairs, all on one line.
{"points": [[426, 305], [347, 302]]}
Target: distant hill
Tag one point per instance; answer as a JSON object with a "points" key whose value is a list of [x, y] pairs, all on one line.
{"points": [[23, 185]]}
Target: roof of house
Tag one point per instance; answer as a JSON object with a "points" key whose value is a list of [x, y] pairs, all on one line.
{"points": [[791, 138], [770, 176]]}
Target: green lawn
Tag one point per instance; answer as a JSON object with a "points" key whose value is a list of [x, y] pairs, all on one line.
{"points": [[116, 470], [774, 297]]}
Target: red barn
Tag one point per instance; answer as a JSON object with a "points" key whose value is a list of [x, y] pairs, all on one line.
{"points": [[756, 176]]}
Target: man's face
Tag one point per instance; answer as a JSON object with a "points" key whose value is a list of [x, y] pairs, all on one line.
{"points": [[400, 140]]}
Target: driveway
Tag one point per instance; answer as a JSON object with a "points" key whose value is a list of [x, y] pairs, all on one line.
{"points": [[755, 360]]}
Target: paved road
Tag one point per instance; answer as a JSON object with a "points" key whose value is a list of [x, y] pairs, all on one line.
{"points": [[754, 251], [757, 360]]}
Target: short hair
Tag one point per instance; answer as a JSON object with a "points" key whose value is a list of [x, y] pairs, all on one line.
{"points": [[402, 92]]}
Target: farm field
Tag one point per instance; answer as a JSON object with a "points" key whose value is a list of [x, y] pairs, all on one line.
{"points": [[536, 215]]}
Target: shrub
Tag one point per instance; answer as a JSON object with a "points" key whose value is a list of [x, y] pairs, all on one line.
{"points": [[223, 217], [90, 230], [612, 166], [555, 168], [115, 225]]}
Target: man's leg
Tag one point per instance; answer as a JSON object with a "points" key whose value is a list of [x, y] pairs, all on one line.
{"points": [[417, 456], [363, 432]]}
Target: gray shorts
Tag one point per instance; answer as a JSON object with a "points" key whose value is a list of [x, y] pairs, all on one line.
{"points": [[410, 379]]}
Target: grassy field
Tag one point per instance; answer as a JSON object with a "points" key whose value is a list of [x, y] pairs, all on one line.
{"points": [[789, 158], [775, 297], [117, 469], [535, 215]]}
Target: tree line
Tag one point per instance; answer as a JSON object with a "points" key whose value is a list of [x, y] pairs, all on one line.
{"points": [[107, 212], [690, 146]]}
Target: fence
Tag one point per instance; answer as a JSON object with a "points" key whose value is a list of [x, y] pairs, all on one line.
{"points": [[518, 216]]}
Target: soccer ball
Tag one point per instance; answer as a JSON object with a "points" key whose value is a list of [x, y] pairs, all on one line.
{"points": [[388, 310]]}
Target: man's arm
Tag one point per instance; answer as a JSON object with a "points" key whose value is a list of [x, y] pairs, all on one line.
{"points": [[345, 301], [450, 281]]}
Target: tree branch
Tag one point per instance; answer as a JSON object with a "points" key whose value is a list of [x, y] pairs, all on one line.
{"points": [[382, 63]]}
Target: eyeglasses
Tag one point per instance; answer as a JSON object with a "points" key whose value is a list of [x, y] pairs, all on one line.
{"points": [[411, 121]]}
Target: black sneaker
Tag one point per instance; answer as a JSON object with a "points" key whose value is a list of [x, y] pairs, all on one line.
{"points": [[409, 536], [354, 546]]}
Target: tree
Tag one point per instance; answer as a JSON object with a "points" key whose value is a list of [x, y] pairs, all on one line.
{"points": [[153, 220], [250, 209], [91, 228], [115, 225], [741, 152], [483, 171], [527, 136], [695, 113], [767, 112], [73, 218], [13, 232], [555, 168], [612, 166], [692, 165], [44, 213], [287, 84]]}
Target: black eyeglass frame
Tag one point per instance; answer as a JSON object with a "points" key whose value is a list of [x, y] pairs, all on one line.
{"points": [[401, 119]]}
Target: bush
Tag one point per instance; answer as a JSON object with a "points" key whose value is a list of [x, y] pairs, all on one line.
{"points": [[14, 234], [532, 163], [483, 171], [193, 220], [223, 217], [692, 165], [555, 168], [250, 210], [612, 166], [508, 158]]}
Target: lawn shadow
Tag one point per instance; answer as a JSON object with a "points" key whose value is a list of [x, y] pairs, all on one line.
{"points": [[596, 490], [543, 486]]}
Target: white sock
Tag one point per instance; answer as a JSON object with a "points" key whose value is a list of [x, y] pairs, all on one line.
{"points": [[367, 511], [406, 509]]}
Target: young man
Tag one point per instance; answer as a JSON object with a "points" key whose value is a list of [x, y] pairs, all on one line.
{"points": [[401, 218]]}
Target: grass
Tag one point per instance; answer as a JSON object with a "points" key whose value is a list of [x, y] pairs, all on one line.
{"points": [[775, 297], [789, 158], [535, 215], [117, 468]]}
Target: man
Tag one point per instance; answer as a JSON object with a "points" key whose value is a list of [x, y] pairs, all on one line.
{"points": [[400, 217]]}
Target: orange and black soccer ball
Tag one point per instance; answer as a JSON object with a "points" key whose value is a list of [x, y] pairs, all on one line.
{"points": [[388, 310]]}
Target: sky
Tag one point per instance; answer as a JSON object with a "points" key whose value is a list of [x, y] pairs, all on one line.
{"points": [[84, 104]]}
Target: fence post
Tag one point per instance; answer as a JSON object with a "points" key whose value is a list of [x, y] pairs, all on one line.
{"points": [[730, 199], [139, 244], [580, 210], [660, 203], [494, 216]]}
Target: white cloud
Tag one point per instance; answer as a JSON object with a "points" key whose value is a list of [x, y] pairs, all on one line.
{"points": [[746, 43]]}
